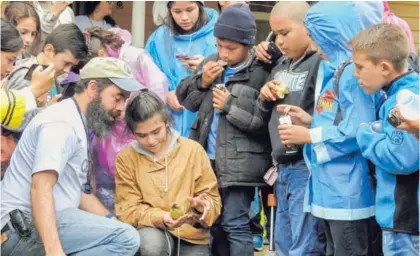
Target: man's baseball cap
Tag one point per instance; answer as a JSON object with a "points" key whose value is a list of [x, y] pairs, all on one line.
{"points": [[114, 69]]}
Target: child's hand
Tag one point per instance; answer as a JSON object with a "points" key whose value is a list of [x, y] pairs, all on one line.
{"points": [[261, 52], [298, 115], [294, 134], [211, 71], [193, 62], [173, 224]]}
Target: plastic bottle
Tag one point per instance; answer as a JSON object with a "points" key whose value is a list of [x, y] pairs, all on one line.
{"points": [[408, 104]]}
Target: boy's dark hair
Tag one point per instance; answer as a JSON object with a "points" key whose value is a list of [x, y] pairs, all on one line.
{"points": [[11, 41], [383, 42], [177, 30], [16, 11], [144, 106], [82, 84], [68, 37], [90, 7]]}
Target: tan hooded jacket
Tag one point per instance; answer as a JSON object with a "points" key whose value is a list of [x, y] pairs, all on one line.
{"points": [[146, 188]]}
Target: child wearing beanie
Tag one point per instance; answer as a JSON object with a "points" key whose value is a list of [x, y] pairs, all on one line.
{"points": [[224, 92]]}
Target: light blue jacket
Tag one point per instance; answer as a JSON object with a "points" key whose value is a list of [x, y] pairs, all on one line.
{"points": [[163, 46], [339, 187], [395, 154]]}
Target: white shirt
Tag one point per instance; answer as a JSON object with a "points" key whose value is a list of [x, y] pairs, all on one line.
{"points": [[83, 22], [54, 140]]}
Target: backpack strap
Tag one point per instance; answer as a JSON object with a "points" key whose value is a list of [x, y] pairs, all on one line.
{"points": [[336, 83]]}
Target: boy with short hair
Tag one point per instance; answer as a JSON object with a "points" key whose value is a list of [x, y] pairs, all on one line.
{"points": [[296, 232], [380, 56], [63, 48]]}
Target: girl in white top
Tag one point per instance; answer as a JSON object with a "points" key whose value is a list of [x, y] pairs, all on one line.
{"points": [[98, 13]]}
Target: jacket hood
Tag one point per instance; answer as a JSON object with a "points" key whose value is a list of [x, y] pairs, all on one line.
{"points": [[333, 24], [139, 149], [125, 35], [206, 29]]}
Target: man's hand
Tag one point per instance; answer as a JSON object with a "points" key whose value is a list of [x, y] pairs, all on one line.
{"points": [[219, 98], [211, 70], [261, 52], [298, 115], [411, 126], [268, 92], [173, 224], [42, 80], [193, 62], [201, 205], [173, 102], [58, 7], [294, 134]]}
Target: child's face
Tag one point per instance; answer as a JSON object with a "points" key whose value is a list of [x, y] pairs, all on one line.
{"points": [[185, 14], [232, 52], [292, 37], [27, 30], [371, 77]]}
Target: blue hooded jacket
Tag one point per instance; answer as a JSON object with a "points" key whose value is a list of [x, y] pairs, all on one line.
{"points": [[395, 154], [339, 187], [163, 46]]}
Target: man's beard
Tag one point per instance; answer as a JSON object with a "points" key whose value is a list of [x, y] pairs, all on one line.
{"points": [[98, 119]]}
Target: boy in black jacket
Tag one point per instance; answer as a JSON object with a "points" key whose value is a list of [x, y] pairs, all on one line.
{"points": [[296, 232], [229, 125]]}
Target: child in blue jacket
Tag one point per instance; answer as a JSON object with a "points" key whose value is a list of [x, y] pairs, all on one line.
{"points": [[380, 55], [340, 191]]}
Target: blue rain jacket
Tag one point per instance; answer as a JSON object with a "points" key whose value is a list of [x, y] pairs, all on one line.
{"points": [[395, 154], [163, 47], [340, 187]]}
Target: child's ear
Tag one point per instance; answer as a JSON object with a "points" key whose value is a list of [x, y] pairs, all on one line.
{"points": [[49, 51], [387, 68]]}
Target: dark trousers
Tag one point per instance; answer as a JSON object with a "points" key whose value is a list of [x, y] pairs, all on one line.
{"points": [[232, 233], [353, 238]]}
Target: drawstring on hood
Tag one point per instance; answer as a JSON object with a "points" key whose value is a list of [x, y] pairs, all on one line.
{"points": [[174, 137]]}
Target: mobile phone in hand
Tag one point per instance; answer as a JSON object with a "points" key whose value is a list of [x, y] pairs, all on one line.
{"points": [[182, 56], [28, 75]]}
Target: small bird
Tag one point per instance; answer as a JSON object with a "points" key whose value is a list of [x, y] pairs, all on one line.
{"points": [[176, 212]]}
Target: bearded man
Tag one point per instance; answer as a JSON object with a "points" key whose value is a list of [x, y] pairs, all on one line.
{"points": [[47, 207]]}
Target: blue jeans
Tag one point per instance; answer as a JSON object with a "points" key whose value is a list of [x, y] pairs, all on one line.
{"points": [[400, 244], [158, 242], [232, 232], [296, 232], [81, 234]]}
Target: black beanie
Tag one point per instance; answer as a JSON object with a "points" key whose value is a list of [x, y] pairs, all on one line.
{"points": [[236, 23]]}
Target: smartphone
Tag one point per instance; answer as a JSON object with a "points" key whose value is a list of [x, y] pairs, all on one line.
{"points": [[28, 75], [182, 56], [272, 49]]}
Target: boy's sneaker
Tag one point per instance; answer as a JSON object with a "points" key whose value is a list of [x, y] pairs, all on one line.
{"points": [[258, 242]]}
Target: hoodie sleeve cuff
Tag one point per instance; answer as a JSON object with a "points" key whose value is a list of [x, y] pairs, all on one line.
{"points": [[316, 135], [29, 99], [157, 219]]}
